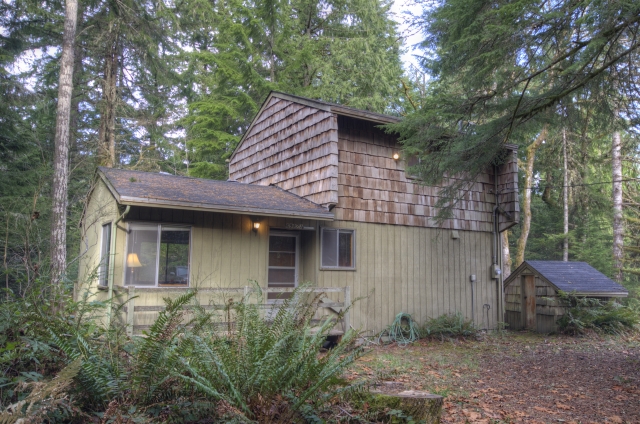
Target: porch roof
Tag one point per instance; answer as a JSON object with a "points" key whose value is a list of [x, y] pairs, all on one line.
{"points": [[177, 192]]}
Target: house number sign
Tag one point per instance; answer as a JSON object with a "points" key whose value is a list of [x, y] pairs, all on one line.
{"points": [[291, 226]]}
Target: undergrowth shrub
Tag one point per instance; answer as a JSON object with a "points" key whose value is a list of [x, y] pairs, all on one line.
{"points": [[184, 369], [28, 328], [47, 401], [448, 325], [586, 313], [267, 370]]}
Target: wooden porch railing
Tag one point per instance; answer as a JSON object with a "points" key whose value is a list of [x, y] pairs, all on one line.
{"points": [[130, 293]]}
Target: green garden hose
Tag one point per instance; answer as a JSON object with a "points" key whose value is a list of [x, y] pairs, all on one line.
{"points": [[402, 330]]}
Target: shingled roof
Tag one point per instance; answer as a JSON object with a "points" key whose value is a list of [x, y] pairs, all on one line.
{"points": [[579, 277], [171, 191]]}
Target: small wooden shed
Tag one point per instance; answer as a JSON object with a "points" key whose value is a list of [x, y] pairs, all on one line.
{"points": [[531, 292]]}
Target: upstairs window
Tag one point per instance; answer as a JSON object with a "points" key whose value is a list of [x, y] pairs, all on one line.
{"points": [[105, 255], [157, 255], [410, 166], [337, 248]]}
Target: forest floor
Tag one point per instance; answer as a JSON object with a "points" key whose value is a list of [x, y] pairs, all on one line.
{"points": [[517, 377]]}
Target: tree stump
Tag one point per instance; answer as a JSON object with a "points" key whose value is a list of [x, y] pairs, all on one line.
{"points": [[420, 406]]}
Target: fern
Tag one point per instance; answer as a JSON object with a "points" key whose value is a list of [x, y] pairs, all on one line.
{"points": [[154, 352], [586, 313], [44, 399], [268, 365]]}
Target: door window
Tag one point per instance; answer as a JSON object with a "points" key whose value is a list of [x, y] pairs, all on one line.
{"points": [[283, 263]]}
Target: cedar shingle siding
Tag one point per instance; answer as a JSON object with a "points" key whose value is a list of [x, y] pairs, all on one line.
{"points": [[323, 155], [292, 146]]}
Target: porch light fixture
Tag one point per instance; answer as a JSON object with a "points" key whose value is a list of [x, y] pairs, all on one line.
{"points": [[396, 156], [256, 226]]}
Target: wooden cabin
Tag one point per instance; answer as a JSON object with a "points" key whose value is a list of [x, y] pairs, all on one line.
{"points": [[317, 193], [531, 292]]}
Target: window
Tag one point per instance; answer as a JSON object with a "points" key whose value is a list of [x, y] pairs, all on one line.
{"points": [[411, 164], [337, 247], [157, 255], [105, 255]]}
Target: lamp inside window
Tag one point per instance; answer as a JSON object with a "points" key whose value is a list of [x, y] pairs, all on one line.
{"points": [[158, 255]]}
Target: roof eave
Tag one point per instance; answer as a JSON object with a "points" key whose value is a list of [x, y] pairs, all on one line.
{"points": [[161, 203], [362, 114], [110, 186], [598, 294]]}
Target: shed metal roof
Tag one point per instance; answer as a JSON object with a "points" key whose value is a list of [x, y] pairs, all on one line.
{"points": [[573, 276], [171, 191]]}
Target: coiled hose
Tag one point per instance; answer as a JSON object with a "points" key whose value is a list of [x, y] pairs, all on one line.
{"points": [[402, 330]]}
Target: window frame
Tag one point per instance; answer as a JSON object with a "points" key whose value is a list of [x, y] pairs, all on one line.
{"points": [[131, 226], [296, 235], [103, 270], [407, 174], [353, 249]]}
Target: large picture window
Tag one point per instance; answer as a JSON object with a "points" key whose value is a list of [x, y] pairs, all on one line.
{"points": [[337, 248], [105, 255], [157, 255]]}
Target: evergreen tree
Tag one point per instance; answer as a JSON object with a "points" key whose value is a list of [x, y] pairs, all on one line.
{"points": [[498, 65], [345, 52]]}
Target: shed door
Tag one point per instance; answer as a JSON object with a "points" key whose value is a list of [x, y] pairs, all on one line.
{"points": [[529, 301], [283, 263]]}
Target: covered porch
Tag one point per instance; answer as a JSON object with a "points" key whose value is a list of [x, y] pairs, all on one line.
{"points": [[139, 307], [226, 241]]}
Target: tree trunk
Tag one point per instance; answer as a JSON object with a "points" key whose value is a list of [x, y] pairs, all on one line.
{"points": [[77, 91], [61, 153], [107, 132], [526, 195], [565, 199], [506, 255], [618, 223]]}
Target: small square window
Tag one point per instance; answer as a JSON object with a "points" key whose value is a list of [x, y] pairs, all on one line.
{"points": [[337, 248]]}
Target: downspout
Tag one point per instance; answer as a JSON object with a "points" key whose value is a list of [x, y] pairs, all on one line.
{"points": [[496, 267], [112, 251], [500, 283]]}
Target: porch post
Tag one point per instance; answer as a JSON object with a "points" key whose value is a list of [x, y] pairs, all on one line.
{"points": [[247, 289], [131, 292], [347, 305]]}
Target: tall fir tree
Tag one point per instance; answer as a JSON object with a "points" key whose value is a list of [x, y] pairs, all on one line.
{"points": [[345, 52]]}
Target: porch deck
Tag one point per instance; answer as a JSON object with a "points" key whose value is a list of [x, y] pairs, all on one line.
{"points": [[141, 305]]}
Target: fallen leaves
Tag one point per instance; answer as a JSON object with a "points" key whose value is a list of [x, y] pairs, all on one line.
{"points": [[554, 380]]}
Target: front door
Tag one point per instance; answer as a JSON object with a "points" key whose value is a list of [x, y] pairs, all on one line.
{"points": [[529, 301], [283, 263]]}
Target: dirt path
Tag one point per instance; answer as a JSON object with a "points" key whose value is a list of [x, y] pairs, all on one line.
{"points": [[520, 378]]}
